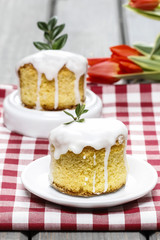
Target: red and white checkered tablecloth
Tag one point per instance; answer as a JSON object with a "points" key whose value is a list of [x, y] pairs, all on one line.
{"points": [[138, 106]]}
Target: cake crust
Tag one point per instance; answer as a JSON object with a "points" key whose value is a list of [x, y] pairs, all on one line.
{"points": [[52, 80], [83, 193]]}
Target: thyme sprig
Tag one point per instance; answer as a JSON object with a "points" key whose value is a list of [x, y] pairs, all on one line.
{"points": [[51, 35], [80, 109]]}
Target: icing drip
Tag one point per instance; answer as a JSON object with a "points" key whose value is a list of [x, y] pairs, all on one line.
{"points": [[107, 152], [76, 91], [56, 93], [38, 106], [50, 62], [94, 178]]}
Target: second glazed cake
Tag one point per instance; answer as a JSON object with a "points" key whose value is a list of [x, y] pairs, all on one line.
{"points": [[88, 158], [52, 80]]}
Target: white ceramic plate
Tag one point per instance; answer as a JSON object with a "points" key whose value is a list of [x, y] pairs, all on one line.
{"points": [[31, 122], [142, 178]]}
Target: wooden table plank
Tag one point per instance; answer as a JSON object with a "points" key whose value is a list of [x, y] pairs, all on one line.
{"points": [[154, 236], [139, 28], [18, 30], [92, 26], [89, 235], [13, 236]]}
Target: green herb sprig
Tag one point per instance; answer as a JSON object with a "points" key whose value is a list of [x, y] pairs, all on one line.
{"points": [[51, 34], [80, 109]]}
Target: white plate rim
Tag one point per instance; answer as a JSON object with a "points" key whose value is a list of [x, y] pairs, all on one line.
{"points": [[83, 201]]}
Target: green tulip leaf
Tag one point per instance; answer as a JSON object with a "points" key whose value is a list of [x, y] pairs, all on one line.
{"points": [[144, 49], [150, 14], [156, 47], [146, 63], [148, 75]]}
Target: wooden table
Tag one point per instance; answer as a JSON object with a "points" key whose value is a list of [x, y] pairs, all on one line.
{"points": [[92, 27]]}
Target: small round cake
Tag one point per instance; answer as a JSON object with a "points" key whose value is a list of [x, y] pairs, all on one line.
{"points": [[52, 80], [88, 158]]}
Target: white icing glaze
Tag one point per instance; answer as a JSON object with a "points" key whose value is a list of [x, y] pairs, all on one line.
{"points": [[107, 152], [50, 62], [97, 133]]}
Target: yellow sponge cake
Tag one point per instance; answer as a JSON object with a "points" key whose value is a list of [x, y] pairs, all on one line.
{"points": [[52, 80], [88, 158]]}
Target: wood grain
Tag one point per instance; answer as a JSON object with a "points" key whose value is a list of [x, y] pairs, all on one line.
{"points": [[18, 30], [92, 26], [140, 29], [13, 236], [89, 236], [154, 236]]}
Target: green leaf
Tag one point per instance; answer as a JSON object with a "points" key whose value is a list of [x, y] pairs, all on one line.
{"points": [[41, 45], [43, 26], [68, 123], [156, 47], [56, 31], [146, 63], [150, 14], [60, 42], [51, 31], [81, 120], [47, 36], [69, 114], [149, 75], [144, 49], [52, 23], [80, 109], [77, 110], [85, 111]]}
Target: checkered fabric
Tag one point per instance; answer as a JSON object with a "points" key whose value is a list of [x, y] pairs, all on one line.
{"points": [[138, 106]]}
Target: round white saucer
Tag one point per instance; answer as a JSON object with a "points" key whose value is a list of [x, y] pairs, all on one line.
{"points": [[142, 178], [34, 123]]}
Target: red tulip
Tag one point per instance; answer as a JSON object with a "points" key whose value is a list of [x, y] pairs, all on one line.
{"points": [[124, 51], [93, 61], [104, 72], [144, 4], [129, 67]]}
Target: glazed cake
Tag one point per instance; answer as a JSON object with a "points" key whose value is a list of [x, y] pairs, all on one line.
{"points": [[88, 158], [52, 80]]}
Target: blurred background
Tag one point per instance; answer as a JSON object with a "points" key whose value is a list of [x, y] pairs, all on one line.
{"points": [[92, 26]]}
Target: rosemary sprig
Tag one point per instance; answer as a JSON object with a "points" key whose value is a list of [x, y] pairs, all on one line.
{"points": [[80, 109], [51, 34]]}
